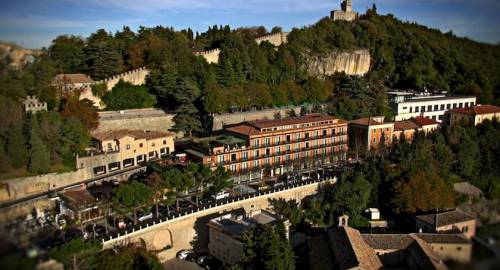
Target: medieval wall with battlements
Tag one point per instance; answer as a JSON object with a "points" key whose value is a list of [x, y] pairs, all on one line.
{"points": [[276, 39], [135, 77], [212, 56]]}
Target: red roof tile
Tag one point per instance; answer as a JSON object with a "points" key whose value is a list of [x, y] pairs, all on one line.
{"points": [[424, 121], [479, 109]]}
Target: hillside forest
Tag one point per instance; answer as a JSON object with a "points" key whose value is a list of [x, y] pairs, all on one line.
{"points": [[404, 55]]}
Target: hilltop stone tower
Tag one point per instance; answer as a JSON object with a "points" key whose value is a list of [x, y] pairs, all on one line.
{"points": [[346, 13]]}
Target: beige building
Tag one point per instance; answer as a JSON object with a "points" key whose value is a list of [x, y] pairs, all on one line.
{"points": [[420, 250], [33, 105], [450, 221], [346, 13], [119, 149], [71, 82], [370, 133], [472, 115], [225, 234]]}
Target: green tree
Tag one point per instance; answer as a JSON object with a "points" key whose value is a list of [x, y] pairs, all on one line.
{"points": [[39, 157], [67, 53], [187, 119], [83, 110], [266, 247], [287, 210], [124, 96], [133, 196], [16, 146], [77, 254], [422, 192]]}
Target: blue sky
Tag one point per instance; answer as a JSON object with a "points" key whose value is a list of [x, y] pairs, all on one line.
{"points": [[34, 23]]}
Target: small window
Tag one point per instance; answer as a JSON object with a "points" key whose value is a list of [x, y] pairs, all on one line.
{"points": [[153, 144], [128, 147], [164, 141], [141, 145]]}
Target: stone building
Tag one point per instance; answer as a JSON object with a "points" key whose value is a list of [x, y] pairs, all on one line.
{"points": [[225, 233], [449, 221], [272, 147], [32, 105], [472, 115], [119, 149], [72, 82], [346, 13]]}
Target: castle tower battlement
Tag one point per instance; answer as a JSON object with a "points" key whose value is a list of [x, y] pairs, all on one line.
{"points": [[346, 13]]}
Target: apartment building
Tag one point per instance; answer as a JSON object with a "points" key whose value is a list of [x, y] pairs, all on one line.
{"points": [[119, 149], [274, 146], [472, 115], [449, 221], [433, 107], [372, 132]]}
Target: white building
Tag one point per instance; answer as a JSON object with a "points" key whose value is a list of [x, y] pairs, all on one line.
{"points": [[33, 105], [432, 107]]}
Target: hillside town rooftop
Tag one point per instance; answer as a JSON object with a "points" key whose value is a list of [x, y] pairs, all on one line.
{"points": [[137, 134], [445, 218], [478, 110]]}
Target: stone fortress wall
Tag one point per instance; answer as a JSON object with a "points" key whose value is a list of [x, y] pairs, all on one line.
{"points": [[143, 119], [211, 56], [135, 77], [276, 39], [224, 119]]}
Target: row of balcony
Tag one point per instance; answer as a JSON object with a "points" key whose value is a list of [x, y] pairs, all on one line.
{"points": [[300, 140], [280, 153]]}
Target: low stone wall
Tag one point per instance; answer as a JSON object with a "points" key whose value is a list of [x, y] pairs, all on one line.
{"points": [[18, 188], [221, 120], [144, 119]]}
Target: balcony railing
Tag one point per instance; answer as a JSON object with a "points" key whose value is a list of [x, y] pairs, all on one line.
{"points": [[291, 151]]}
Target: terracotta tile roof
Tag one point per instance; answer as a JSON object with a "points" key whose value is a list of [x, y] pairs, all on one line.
{"points": [[137, 134], [255, 127], [405, 125], [369, 121], [79, 197], [442, 238], [351, 251], [479, 109], [445, 218], [423, 255], [310, 118], [74, 78], [424, 121], [388, 241]]}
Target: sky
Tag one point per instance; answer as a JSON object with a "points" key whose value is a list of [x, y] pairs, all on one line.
{"points": [[35, 23]]}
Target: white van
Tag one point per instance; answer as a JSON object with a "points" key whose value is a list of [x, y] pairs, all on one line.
{"points": [[220, 195]]}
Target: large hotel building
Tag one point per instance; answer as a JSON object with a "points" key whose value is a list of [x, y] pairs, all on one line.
{"points": [[271, 147]]}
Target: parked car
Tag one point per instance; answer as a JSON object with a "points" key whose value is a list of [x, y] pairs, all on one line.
{"points": [[203, 260], [185, 254], [142, 216], [220, 195]]}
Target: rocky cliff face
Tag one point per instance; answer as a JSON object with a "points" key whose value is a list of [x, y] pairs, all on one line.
{"points": [[352, 63], [15, 56]]}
